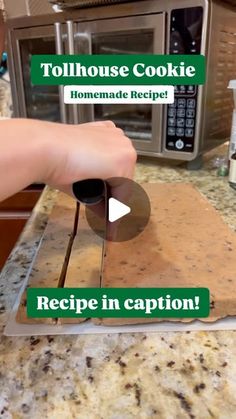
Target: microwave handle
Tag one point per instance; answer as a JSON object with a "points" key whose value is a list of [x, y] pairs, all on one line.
{"points": [[59, 51], [83, 43], [71, 50]]}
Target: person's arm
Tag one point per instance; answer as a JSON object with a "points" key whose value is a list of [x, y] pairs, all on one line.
{"points": [[58, 155]]}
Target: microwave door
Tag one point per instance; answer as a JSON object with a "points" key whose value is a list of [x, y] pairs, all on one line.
{"points": [[38, 102], [132, 35]]}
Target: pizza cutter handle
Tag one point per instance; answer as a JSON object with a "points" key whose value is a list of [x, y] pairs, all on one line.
{"points": [[89, 191]]}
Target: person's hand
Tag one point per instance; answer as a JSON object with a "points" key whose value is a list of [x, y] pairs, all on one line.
{"points": [[92, 150], [59, 155]]}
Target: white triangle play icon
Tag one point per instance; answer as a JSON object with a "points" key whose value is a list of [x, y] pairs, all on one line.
{"points": [[116, 210]]}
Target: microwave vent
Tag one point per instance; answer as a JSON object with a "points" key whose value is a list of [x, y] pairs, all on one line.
{"points": [[64, 4], [222, 102], [90, 3]]}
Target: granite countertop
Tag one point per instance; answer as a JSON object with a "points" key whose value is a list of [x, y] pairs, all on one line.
{"points": [[5, 97], [118, 376]]}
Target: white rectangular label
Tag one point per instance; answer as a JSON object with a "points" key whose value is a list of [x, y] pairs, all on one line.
{"points": [[118, 94]]}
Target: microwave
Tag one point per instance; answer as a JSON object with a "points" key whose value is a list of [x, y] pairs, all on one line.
{"points": [[200, 117]]}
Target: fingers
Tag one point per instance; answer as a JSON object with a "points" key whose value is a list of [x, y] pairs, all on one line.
{"points": [[103, 124], [108, 124]]}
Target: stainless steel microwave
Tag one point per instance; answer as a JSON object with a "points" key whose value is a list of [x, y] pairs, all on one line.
{"points": [[200, 117]]}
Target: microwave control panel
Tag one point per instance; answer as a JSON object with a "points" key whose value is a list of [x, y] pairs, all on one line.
{"points": [[185, 38]]}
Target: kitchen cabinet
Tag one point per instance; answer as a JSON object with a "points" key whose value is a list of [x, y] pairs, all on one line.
{"points": [[14, 213]]}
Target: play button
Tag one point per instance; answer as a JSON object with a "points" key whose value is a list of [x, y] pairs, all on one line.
{"points": [[117, 210], [123, 211]]}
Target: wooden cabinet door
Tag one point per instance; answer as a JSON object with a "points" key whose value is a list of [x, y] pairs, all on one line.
{"points": [[10, 230], [14, 213], [22, 201]]}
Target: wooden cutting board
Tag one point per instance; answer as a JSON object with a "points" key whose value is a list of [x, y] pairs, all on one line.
{"points": [[186, 244]]}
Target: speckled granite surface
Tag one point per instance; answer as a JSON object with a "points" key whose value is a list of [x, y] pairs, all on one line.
{"points": [[5, 97], [125, 376]]}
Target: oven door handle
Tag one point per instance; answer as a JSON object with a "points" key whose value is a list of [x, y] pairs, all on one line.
{"points": [[60, 51]]}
